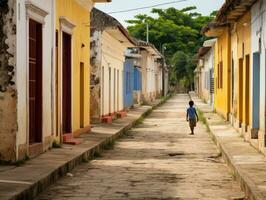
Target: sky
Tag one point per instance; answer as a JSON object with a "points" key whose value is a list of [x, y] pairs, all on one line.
{"points": [[203, 6]]}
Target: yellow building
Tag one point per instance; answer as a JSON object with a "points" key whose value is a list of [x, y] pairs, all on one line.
{"points": [[243, 32], [72, 67], [222, 84], [232, 27]]}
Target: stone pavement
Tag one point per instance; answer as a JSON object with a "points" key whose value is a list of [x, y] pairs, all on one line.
{"points": [[28, 180], [247, 164], [156, 160]]}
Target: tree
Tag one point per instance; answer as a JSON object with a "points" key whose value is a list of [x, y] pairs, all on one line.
{"points": [[177, 30]]}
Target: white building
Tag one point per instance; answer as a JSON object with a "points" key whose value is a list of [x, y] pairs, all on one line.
{"points": [[204, 74], [208, 71], [108, 45], [26, 95], [152, 71], [258, 48]]}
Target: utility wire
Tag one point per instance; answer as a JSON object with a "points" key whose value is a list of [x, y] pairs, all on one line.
{"points": [[153, 6]]}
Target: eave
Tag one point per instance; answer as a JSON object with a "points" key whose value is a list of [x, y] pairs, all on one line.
{"points": [[232, 10], [214, 29]]}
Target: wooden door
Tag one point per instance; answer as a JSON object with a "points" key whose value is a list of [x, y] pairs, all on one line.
{"points": [[118, 93], [82, 89], [247, 93], [240, 87], [66, 96], [110, 90], [102, 92], [115, 95], [56, 82], [35, 82]]}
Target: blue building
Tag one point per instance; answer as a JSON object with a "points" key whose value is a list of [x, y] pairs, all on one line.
{"points": [[128, 83]]}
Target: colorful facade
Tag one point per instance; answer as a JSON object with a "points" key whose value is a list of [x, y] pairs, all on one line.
{"points": [[204, 73], [151, 71], [44, 91], [239, 96], [108, 46], [222, 84], [128, 80], [258, 63], [25, 86], [72, 68]]}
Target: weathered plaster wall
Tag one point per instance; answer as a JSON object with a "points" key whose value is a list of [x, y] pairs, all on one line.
{"points": [[8, 94], [234, 61], [143, 63], [113, 56], [95, 76], [151, 79], [106, 52], [208, 65], [258, 33]]}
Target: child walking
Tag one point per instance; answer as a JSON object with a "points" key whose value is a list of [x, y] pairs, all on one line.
{"points": [[192, 117]]}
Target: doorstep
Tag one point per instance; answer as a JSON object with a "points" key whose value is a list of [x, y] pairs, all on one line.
{"points": [[33, 177], [247, 164]]}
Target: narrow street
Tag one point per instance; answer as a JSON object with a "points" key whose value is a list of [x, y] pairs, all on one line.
{"points": [[158, 159]]}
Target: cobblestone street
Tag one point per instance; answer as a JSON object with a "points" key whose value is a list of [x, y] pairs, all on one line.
{"points": [[158, 159]]}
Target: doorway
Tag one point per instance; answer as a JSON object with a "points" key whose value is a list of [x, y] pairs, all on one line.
{"points": [[118, 94], [82, 89], [232, 83], [256, 92], [102, 92], [35, 82], [247, 93], [240, 88], [66, 96], [115, 95], [110, 90]]}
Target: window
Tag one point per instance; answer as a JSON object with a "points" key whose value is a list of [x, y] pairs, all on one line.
{"points": [[220, 75]]}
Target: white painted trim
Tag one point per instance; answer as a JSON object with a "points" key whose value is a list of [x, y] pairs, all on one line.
{"points": [[66, 25], [27, 84], [34, 12]]}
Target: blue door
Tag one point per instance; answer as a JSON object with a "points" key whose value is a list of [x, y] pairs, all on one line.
{"points": [[128, 82], [137, 79], [256, 91]]}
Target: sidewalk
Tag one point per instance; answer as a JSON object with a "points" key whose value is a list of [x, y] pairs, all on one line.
{"points": [[246, 163], [28, 180]]}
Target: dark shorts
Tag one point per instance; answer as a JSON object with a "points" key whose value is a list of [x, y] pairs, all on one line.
{"points": [[192, 123]]}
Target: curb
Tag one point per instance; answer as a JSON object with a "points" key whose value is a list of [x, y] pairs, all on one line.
{"points": [[248, 187], [39, 186]]}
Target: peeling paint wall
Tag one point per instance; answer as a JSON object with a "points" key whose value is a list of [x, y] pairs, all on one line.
{"points": [[95, 76], [8, 94], [7, 44]]}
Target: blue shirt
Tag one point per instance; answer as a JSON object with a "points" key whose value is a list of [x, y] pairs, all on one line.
{"points": [[191, 113]]}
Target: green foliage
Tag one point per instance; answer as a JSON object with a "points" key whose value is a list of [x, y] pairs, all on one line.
{"points": [[179, 31]]}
